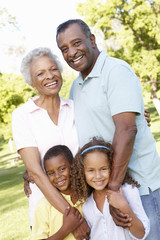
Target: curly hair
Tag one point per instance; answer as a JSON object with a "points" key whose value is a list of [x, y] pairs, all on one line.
{"points": [[81, 190]]}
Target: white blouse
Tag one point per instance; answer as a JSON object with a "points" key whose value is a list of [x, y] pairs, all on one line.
{"points": [[102, 225]]}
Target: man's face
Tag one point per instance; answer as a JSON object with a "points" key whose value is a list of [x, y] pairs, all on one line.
{"points": [[78, 50]]}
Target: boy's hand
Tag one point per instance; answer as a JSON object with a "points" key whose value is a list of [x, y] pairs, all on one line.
{"points": [[82, 232], [71, 219], [27, 189]]}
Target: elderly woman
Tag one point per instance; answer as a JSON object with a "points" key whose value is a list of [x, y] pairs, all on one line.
{"points": [[43, 122]]}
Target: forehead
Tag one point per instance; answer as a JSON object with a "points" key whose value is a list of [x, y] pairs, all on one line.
{"points": [[96, 158], [41, 62], [71, 33], [56, 162]]}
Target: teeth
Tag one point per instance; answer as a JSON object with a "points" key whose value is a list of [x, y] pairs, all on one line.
{"points": [[61, 183], [77, 58], [50, 84]]}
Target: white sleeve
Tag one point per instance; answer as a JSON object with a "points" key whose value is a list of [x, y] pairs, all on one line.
{"points": [[134, 200], [21, 129]]}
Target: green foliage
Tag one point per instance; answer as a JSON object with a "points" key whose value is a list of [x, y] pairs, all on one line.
{"points": [[68, 78], [13, 92], [133, 27]]}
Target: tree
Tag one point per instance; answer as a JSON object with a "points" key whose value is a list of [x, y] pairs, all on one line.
{"points": [[134, 25], [13, 93]]}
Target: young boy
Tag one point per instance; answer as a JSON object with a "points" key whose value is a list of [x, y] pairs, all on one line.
{"points": [[48, 222]]}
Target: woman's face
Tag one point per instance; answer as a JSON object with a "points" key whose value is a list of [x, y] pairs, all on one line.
{"points": [[45, 75]]}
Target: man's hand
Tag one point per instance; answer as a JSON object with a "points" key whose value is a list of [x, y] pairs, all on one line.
{"points": [[27, 189], [147, 117], [120, 219], [82, 232]]}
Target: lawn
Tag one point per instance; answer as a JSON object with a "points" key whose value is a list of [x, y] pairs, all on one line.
{"points": [[14, 223]]}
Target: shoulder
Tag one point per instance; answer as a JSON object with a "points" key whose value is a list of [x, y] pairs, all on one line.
{"points": [[43, 203], [68, 102], [87, 205], [130, 192]]}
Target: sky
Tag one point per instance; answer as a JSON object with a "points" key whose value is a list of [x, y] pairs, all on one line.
{"points": [[37, 21]]}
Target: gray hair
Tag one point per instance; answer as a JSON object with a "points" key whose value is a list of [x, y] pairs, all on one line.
{"points": [[33, 55]]}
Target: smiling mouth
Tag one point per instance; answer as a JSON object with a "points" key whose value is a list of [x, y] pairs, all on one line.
{"points": [[61, 183], [51, 84], [77, 59], [99, 182]]}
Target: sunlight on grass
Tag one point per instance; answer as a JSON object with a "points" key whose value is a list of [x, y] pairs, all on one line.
{"points": [[14, 222]]}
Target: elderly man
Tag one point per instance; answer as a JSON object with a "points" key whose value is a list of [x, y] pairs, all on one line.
{"points": [[108, 103]]}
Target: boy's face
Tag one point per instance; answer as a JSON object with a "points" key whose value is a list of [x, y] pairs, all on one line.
{"points": [[58, 171]]}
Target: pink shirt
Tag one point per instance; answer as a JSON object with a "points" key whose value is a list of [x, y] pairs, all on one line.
{"points": [[32, 127]]}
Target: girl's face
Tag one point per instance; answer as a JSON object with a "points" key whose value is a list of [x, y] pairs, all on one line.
{"points": [[97, 170]]}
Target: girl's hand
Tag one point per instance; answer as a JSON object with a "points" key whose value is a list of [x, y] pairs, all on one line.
{"points": [[116, 199], [117, 203]]}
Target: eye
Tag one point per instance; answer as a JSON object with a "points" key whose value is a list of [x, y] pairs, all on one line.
{"points": [[64, 50], [62, 169], [77, 43], [50, 173], [90, 170], [54, 69], [39, 74]]}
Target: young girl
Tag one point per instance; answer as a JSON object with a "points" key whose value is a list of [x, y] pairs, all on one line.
{"points": [[90, 175]]}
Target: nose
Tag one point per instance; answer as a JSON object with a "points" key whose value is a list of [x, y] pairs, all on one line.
{"points": [[98, 174], [49, 74], [57, 175], [72, 51]]}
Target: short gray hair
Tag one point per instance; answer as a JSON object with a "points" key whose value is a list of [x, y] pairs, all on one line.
{"points": [[33, 55]]}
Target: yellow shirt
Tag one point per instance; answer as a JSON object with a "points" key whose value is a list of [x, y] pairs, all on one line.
{"points": [[48, 220]]}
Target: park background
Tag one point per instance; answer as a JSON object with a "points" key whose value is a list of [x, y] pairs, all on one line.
{"points": [[127, 29]]}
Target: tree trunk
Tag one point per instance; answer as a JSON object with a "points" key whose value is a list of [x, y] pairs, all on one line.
{"points": [[153, 90]]}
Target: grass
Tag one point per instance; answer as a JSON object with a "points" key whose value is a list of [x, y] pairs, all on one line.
{"points": [[14, 222]]}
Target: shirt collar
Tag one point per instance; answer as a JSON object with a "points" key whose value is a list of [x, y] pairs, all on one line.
{"points": [[68, 198], [96, 71], [31, 106]]}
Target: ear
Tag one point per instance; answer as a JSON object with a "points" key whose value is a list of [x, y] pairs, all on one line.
{"points": [[32, 85], [93, 40]]}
